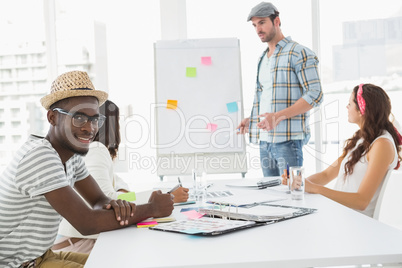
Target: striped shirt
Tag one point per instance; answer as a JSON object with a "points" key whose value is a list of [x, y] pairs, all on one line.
{"points": [[294, 76], [29, 224]]}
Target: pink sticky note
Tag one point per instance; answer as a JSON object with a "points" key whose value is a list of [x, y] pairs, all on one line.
{"points": [[212, 127], [148, 223], [206, 60], [192, 214]]}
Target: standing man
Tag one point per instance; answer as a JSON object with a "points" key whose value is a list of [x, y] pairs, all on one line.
{"points": [[287, 87], [36, 189]]}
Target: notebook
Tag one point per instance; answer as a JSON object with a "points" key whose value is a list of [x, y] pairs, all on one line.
{"points": [[205, 226]]}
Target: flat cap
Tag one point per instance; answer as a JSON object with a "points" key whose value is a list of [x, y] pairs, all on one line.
{"points": [[263, 9]]}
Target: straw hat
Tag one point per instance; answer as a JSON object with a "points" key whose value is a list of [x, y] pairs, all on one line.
{"points": [[72, 84]]}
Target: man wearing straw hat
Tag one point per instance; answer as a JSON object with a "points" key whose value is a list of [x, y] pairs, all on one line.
{"points": [[36, 188]]}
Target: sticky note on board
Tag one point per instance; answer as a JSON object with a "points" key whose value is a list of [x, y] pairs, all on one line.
{"points": [[212, 127], [171, 104], [206, 60], [191, 72], [130, 196], [232, 107], [192, 214]]}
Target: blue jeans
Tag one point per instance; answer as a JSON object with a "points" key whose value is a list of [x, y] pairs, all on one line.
{"points": [[275, 156]]}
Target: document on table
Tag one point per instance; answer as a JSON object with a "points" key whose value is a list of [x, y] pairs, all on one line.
{"points": [[246, 199], [257, 213]]}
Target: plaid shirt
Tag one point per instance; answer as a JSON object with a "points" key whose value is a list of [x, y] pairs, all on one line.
{"points": [[294, 76]]}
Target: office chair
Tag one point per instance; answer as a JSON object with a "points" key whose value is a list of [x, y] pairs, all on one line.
{"points": [[377, 208]]}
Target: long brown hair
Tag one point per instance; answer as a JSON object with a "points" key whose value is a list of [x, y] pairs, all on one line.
{"points": [[109, 133], [376, 119]]}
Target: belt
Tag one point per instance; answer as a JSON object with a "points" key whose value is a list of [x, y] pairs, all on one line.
{"points": [[69, 242]]}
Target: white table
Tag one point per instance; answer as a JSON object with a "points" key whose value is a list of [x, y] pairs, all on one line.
{"points": [[334, 235]]}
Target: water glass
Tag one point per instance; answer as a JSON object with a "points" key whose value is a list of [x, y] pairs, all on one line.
{"points": [[297, 182]]}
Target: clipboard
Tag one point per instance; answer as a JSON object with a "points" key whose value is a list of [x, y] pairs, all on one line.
{"points": [[227, 221], [206, 226]]}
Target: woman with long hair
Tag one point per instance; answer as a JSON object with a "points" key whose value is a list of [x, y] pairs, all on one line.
{"points": [[373, 151]]}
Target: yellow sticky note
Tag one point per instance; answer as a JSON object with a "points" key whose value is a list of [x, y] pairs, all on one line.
{"points": [[191, 72], [171, 104], [130, 196]]}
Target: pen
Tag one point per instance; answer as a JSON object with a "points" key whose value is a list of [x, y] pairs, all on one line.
{"points": [[288, 176], [174, 188], [178, 178]]}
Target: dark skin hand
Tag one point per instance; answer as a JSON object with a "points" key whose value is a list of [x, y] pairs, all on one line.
{"points": [[106, 214]]}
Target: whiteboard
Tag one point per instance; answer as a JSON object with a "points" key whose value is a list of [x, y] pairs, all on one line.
{"points": [[198, 96]]}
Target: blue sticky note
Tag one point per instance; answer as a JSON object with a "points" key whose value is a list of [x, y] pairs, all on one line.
{"points": [[192, 231], [232, 107]]}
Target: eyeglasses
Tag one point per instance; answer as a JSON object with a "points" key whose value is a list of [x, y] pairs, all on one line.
{"points": [[80, 119]]}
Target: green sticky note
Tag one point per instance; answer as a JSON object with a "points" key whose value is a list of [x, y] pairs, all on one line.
{"points": [[191, 72], [130, 196]]}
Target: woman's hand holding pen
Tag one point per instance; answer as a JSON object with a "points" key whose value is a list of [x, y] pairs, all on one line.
{"points": [[180, 195]]}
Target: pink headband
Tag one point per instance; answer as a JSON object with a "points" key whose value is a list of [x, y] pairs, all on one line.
{"points": [[360, 101]]}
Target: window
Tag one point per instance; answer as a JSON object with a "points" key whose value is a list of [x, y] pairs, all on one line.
{"points": [[356, 47], [15, 112], [22, 59], [15, 124], [23, 73], [16, 138], [5, 74]]}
